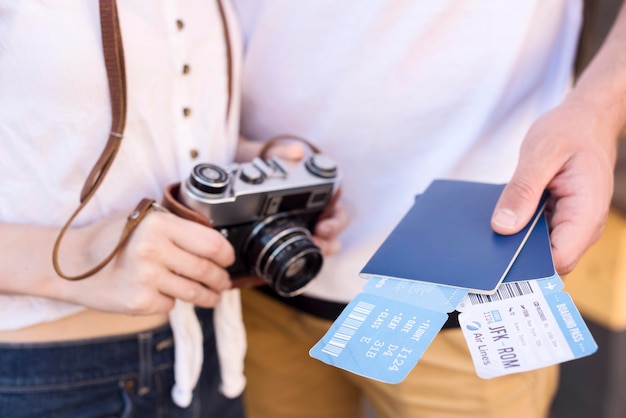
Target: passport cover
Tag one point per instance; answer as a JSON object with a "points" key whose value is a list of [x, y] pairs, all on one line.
{"points": [[446, 239], [535, 259]]}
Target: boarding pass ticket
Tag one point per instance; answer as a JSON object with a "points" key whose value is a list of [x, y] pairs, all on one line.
{"points": [[386, 329], [524, 326]]}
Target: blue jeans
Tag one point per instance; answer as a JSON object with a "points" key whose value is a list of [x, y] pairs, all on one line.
{"points": [[122, 376]]}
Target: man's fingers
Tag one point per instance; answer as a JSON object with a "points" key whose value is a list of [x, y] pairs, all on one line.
{"points": [[327, 247], [331, 226], [292, 151], [567, 246]]}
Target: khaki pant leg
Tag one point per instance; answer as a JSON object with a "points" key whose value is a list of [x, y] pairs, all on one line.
{"points": [[444, 384], [283, 381]]}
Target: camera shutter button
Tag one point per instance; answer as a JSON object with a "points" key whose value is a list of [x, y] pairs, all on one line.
{"points": [[322, 166], [251, 174]]}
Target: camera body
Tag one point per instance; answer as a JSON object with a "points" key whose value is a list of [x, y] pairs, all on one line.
{"points": [[266, 208]]}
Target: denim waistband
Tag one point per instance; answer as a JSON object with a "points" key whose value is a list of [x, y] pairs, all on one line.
{"points": [[29, 365], [67, 362]]}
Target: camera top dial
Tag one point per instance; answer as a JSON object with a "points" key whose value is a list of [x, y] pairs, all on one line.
{"points": [[209, 178], [321, 166]]}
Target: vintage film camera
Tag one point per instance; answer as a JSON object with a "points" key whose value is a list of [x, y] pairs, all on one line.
{"points": [[266, 208]]}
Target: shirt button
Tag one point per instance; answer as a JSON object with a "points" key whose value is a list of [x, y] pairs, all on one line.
{"points": [[193, 153], [186, 111], [179, 24], [186, 69]]}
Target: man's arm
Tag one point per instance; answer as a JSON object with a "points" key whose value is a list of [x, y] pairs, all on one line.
{"points": [[571, 152]]}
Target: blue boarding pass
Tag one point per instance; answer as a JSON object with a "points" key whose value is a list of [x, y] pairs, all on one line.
{"points": [[385, 330], [523, 326], [429, 296]]}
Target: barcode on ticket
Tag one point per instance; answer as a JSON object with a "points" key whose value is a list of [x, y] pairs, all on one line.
{"points": [[348, 328], [505, 291]]}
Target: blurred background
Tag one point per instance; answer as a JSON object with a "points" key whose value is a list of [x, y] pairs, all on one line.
{"points": [[595, 386]]}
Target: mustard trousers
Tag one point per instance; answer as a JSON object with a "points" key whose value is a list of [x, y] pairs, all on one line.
{"points": [[284, 382]]}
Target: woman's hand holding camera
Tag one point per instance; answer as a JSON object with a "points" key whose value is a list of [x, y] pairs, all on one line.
{"points": [[165, 258]]}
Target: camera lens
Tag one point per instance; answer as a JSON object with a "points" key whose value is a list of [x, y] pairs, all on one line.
{"points": [[295, 268], [280, 251]]}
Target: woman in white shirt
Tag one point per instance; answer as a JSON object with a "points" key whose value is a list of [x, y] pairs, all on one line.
{"points": [[103, 346]]}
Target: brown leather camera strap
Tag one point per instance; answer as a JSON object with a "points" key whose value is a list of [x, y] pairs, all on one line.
{"points": [[172, 203], [116, 74]]}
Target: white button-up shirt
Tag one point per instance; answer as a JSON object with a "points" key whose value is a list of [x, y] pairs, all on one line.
{"points": [[55, 113]]}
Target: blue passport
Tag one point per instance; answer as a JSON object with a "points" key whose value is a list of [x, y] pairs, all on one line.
{"points": [[446, 239], [535, 259]]}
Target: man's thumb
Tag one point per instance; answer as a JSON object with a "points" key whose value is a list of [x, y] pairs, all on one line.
{"points": [[516, 206]]}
